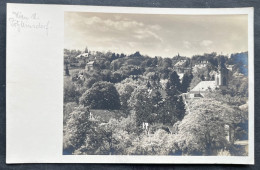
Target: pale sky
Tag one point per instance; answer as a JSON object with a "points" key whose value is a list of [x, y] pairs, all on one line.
{"points": [[156, 35]]}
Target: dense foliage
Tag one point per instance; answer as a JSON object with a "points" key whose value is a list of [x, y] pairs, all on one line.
{"points": [[102, 95], [151, 116]]}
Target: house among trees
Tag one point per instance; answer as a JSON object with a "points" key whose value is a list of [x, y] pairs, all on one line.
{"points": [[220, 82], [181, 67], [82, 59], [110, 109], [201, 64], [89, 66], [204, 86], [180, 63], [83, 55]]}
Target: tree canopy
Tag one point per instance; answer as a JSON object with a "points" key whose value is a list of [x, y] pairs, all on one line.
{"points": [[102, 95], [202, 131]]}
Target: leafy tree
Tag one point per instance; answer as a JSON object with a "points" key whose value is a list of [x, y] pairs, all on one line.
{"points": [[116, 64], [186, 80], [125, 94], [171, 110], [155, 62], [109, 139], [141, 104], [128, 124], [71, 53], [116, 77], [160, 143], [173, 86], [180, 108], [76, 129], [90, 81], [130, 70], [149, 62], [113, 57], [136, 54], [165, 113], [70, 93], [101, 64], [102, 95], [157, 99], [226, 98], [202, 131], [238, 86], [125, 89], [67, 109], [167, 62], [164, 72], [106, 75], [154, 79], [106, 135], [174, 81]]}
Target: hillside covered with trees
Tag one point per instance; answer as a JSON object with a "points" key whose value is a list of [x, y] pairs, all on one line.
{"points": [[118, 104]]}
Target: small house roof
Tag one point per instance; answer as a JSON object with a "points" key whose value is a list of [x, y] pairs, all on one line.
{"points": [[90, 63], [204, 86], [180, 63], [82, 55]]}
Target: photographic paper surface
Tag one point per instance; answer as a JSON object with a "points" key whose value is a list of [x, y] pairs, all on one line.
{"points": [[92, 84]]}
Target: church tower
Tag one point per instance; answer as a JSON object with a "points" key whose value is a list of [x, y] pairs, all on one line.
{"points": [[221, 77]]}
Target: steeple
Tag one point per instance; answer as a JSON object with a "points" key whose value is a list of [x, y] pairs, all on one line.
{"points": [[221, 77]]}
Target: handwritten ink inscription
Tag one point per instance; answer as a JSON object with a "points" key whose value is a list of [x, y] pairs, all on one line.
{"points": [[21, 21]]}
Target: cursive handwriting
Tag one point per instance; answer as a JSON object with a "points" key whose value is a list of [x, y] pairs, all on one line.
{"points": [[20, 21]]}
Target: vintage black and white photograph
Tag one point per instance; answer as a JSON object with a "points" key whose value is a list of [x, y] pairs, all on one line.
{"points": [[155, 84]]}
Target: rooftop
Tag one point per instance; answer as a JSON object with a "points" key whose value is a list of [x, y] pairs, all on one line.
{"points": [[204, 86], [82, 55], [180, 63], [90, 63]]}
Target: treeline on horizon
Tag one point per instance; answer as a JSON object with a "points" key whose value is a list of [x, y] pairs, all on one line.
{"points": [[240, 59]]}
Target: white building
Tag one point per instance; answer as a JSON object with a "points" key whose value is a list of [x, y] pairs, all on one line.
{"points": [[89, 66], [180, 63], [83, 55], [220, 82], [201, 64]]}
